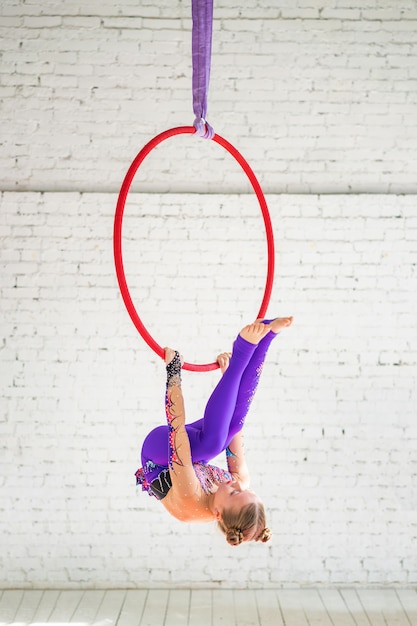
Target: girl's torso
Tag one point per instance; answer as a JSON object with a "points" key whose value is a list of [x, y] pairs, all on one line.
{"points": [[193, 508], [196, 508]]}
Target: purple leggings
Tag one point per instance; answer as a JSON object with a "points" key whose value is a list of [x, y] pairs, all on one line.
{"points": [[226, 409]]}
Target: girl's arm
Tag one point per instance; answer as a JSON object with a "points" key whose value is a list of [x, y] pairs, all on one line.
{"points": [[185, 483], [236, 462]]}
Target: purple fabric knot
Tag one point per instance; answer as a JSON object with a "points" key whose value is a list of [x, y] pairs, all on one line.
{"points": [[202, 15], [203, 128]]}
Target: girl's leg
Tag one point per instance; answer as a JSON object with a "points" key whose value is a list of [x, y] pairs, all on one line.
{"points": [[249, 384], [155, 447], [246, 391], [209, 436], [225, 411]]}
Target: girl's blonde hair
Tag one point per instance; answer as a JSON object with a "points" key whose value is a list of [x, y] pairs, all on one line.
{"points": [[248, 524]]}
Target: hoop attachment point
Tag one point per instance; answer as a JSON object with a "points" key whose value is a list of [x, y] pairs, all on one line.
{"points": [[203, 128]]}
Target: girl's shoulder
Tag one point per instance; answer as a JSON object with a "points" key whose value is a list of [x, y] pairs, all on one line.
{"points": [[195, 508], [190, 508]]}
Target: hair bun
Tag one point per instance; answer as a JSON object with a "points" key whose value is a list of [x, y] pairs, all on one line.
{"points": [[265, 535], [234, 536]]}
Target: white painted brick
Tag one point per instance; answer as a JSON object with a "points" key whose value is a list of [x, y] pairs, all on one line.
{"points": [[46, 21], [304, 80]]}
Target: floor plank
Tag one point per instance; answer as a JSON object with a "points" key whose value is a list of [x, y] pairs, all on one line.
{"points": [[201, 607], [132, 609], [9, 605], [314, 609], [268, 608], [178, 608], [28, 607], [155, 607], [88, 606], [355, 607], [383, 608], [393, 610], [291, 607], [46, 606], [65, 606], [408, 600], [110, 608], [223, 608], [336, 608], [246, 610]]}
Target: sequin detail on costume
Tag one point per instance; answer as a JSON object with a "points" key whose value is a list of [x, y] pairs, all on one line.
{"points": [[208, 476], [174, 371], [141, 476], [253, 390], [173, 380], [173, 455]]}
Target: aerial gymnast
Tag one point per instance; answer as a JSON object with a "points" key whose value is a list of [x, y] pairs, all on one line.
{"points": [[175, 458]]}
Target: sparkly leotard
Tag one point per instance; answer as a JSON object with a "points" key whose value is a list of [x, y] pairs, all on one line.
{"points": [[208, 475], [224, 417]]}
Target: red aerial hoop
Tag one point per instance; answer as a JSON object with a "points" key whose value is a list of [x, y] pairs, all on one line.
{"points": [[117, 238]]}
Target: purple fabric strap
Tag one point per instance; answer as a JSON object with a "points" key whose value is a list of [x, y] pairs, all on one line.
{"points": [[202, 14]]}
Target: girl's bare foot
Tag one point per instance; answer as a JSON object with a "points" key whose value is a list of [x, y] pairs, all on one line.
{"points": [[279, 323], [253, 333], [169, 355], [223, 361]]}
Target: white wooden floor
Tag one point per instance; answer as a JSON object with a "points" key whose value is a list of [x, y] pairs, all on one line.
{"points": [[320, 607]]}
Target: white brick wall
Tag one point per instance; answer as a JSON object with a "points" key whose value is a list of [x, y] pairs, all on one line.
{"points": [[334, 417], [321, 99], [321, 96]]}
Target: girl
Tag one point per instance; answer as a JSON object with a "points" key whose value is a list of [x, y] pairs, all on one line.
{"points": [[175, 457]]}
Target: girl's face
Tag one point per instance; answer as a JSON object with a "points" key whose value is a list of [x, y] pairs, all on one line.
{"points": [[231, 496]]}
